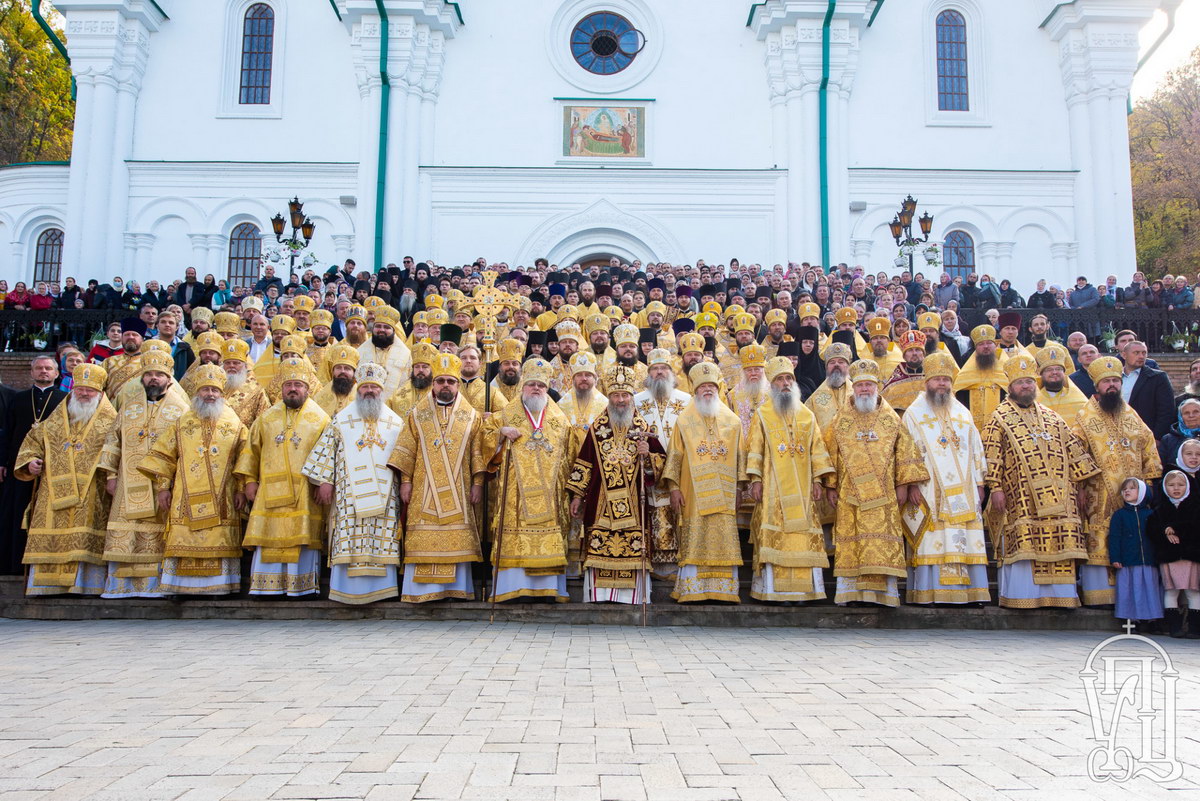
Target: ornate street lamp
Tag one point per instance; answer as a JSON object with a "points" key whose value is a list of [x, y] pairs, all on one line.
{"points": [[302, 230], [901, 227]]}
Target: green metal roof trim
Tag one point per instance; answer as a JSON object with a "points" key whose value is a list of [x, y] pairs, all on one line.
{"points": [[1054, 11], [875, 13], [457, 11], [160, 9], [36, 164], [753, 8]]}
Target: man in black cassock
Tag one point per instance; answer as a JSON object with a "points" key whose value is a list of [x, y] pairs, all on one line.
{"points": [[24, 409]]}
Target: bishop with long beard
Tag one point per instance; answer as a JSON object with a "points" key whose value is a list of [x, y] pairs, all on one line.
{"points": [[529, 549], [69, 510], [876, 463], [191, 466], [785, 461], [1123, 447], [618, 464]]}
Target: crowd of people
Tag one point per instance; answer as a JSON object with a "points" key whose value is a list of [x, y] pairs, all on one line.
{"points": [[613, 425]]}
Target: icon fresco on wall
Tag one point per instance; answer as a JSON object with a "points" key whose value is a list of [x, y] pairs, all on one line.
{"points": [[604, 131]]}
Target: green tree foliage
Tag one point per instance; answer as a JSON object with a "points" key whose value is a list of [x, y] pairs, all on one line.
{"points": [[36, 110], [1164, 145]]}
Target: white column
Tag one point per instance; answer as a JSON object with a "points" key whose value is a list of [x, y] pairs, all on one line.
{"points": [[1123, 253], [128, 256], [1084, 191], [368, 165], [860, 253], [410, 141], [1004, 251], [985, 255], [808, 132], [199, 258], [343, 246], [1060, 261], [77, 183], [393, 204], [118, 190], [100, 170], [144, 248], [216, 260], [1103, 190], [422, 247]]}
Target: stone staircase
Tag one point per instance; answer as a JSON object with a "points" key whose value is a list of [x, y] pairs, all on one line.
{"points": [[662, 611]]}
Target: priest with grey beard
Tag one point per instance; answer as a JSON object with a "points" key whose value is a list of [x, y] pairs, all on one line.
{"points": [[785, 461], [348, 465], [69, 511], [191, 466], [660, 405], [948, 559], [619, 461]]}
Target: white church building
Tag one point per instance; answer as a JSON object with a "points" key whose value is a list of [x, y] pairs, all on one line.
{"points": [[662, 130]]}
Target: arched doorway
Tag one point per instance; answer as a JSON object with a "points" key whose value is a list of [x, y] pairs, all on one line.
{"points": [[599, 259]]}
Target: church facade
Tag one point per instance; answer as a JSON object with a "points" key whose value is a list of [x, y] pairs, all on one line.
{"points": [[786, 130]]}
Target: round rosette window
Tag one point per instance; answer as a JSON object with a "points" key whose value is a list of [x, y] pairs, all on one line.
{"points": [[605, 43]]}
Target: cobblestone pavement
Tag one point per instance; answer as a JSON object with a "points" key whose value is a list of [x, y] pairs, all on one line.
{"points": [[385, 710]]}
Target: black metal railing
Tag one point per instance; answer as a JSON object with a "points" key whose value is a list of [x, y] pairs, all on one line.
{"points": [[45, 330], [1162, 330]]}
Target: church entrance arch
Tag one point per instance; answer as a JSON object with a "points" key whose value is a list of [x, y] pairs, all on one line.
{"points": [[597, 246]]}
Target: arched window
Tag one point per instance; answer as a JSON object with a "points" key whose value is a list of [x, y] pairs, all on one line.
{"points": [[245, 253], [958, 254], [258, 44], [47, 263], [952, 62]]}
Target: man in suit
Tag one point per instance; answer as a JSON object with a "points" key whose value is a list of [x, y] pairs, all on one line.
{"points": [[1146, 390], [25, 409], [1080, 378]]}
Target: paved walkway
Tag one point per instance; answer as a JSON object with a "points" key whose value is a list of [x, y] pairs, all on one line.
{"points": [[386, 710]]}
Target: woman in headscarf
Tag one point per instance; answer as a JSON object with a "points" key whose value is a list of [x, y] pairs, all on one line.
{"points": [[1186, 426], [1131, 552], [810, 370]]}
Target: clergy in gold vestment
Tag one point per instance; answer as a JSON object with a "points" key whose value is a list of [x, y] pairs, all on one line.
{"points": [[1123, 447], [287, 525], [242, 391], [530, 547], [291, 348], [420, 381], [507, 382], [881, 349], [947, 551], [581, 403], [908, 380], [660, 405], [625, 337], [785, 460], [322, 343], [744, 399], [471, 384], [127, 364], [208, 347], [1035, 472], [703, 465], [349, 466], [132, 390], [336, 394], [1056, 390], [191, 466], [441, 479], [387, 349], [282, 325], [611, 476], [981, 384], [69, 510], [134, 544], [876, 462]]}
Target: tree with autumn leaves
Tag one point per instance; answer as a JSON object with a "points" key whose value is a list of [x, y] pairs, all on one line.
{"points": [[1164, 150], [36, 110]]}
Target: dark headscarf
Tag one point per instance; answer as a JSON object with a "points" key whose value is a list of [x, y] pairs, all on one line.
{"points": [[810, 371]]}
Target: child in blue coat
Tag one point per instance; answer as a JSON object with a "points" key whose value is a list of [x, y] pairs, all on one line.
{"points": [[1139, 593]]}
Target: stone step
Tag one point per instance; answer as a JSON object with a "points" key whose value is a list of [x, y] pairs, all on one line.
{"points": [[661, 612]]}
